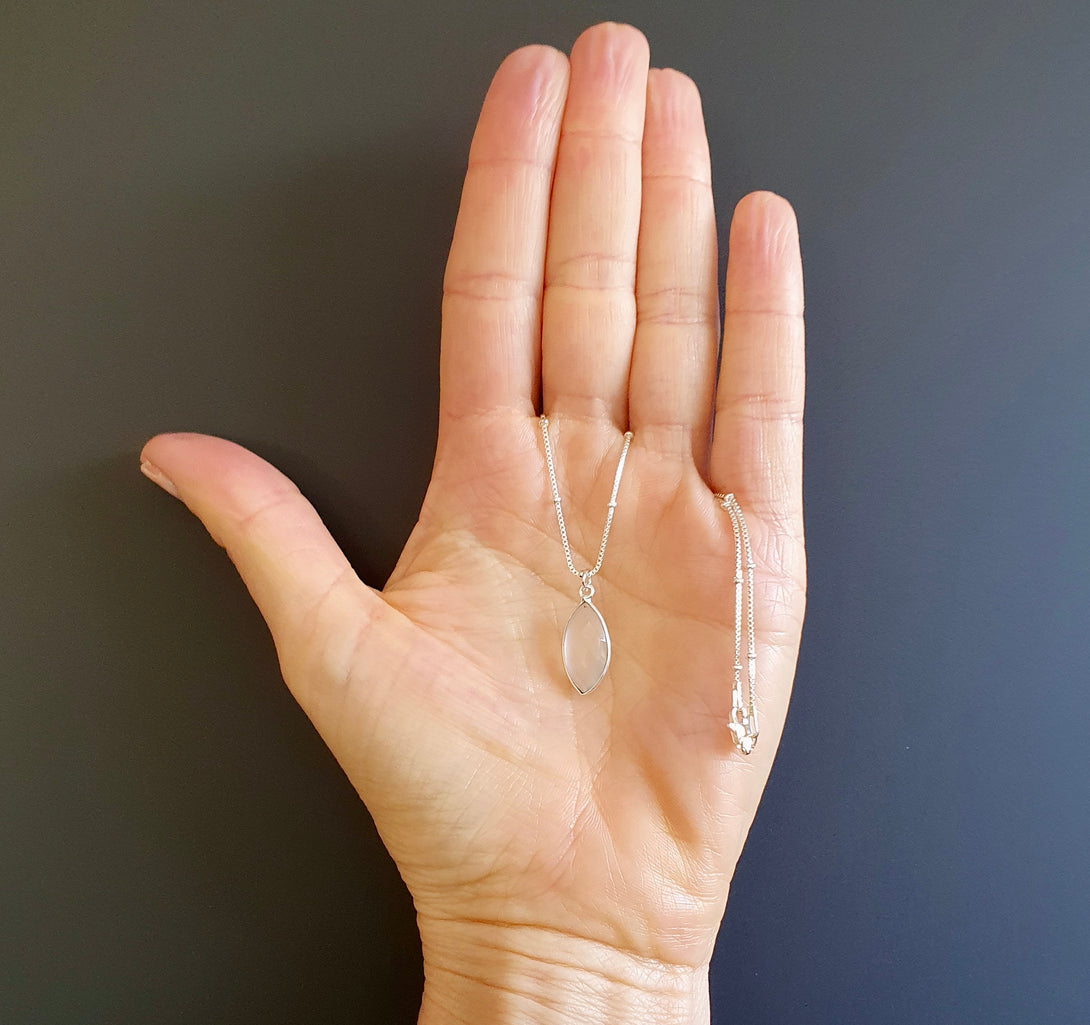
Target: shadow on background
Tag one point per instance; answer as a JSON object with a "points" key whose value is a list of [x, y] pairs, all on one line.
{"points": [[185, 848]]}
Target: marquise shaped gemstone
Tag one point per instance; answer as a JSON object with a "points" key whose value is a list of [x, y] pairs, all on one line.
{"points": [[586, 647]]}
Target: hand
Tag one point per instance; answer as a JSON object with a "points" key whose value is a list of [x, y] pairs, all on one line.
{"points": [[567, 854]]}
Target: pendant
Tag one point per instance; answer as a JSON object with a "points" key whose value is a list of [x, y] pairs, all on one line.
{"points": [[586, 647]]}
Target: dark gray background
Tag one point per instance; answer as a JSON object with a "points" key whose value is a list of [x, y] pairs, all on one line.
{"points": [[233, 218]]}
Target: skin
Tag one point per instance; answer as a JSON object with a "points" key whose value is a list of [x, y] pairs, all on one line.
{"points": [[569, 856]]}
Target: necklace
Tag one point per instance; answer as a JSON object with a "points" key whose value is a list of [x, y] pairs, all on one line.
{"points": [[586, 647]]}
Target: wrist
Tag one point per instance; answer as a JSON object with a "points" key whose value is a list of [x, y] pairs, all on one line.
{"points": [[492, 974]]}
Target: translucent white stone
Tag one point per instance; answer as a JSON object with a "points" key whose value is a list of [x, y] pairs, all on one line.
{"points": [[586, 647]]}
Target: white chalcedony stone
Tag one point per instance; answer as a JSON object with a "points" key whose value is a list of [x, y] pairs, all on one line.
{"points": [[586, 647]]}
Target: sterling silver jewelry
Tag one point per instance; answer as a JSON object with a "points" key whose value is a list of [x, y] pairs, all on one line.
{"points": [[743, 713], [586, 646]]}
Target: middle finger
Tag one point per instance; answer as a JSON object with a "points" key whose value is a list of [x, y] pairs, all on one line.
{"points": [[589, 305]]}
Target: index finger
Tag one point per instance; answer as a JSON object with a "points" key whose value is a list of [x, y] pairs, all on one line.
{"points": [[491, 337]]}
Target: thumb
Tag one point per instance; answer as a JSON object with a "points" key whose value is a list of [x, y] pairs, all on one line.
{"points": [[316, 607]]}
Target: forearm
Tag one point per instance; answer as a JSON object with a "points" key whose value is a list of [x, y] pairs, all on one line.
{"points": [[483, 974]]}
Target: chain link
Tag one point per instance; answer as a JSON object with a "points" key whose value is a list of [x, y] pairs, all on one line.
{"points": [[743, 711], [583, 574]]}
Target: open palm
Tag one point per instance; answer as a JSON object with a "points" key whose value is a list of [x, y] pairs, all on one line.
{"points": [[582, 281]]}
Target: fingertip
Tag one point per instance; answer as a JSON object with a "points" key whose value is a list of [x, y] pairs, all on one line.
{"points": [[672, 86], [617, 44], [675, 117], [764, 212], [205, 469], [764, 263], [160, 446], [537, 70], [153, 455], [533, 56], [170, 454], [524, 103], [613, 32]]}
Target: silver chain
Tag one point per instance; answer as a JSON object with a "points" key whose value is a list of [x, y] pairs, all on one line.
{"points": [[743, 716], [585, 574], [743, 712]]}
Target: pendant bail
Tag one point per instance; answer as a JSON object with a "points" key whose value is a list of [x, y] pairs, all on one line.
{"points": [[586, 588]]}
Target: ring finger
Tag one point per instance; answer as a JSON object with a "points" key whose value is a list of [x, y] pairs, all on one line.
{"points": [[673, 364]]}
